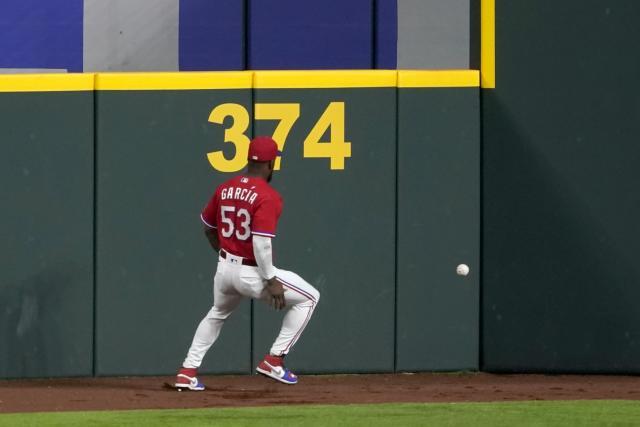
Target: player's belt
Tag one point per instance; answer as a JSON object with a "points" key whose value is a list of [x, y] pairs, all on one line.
{"points": [[244, 261]]}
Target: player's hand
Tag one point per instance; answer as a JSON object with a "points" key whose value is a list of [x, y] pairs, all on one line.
{"points": [[276, 292]]}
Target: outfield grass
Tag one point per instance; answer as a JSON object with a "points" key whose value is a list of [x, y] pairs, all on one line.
{"points": [[554, 413]]}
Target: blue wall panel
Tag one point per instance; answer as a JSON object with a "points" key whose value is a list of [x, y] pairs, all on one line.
{"points": [[211, 35], [294, 34], [386, 37], [39, 34]]}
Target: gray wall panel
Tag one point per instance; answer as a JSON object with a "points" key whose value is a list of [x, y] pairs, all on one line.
{"points": [[433, 34], [131, 35]]}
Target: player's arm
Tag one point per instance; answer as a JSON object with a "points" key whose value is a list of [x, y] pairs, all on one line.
{"points": [[263, 252], [212, 237], [263, 229], [209, 219]]}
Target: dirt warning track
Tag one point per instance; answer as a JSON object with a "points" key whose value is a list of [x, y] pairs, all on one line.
{"points": [[81, 394]]}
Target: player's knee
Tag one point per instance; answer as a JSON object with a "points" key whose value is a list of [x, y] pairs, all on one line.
{"points": [[218, 314], [316, 295]]}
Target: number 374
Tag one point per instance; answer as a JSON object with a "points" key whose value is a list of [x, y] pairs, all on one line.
{"points": [[336, 149]]}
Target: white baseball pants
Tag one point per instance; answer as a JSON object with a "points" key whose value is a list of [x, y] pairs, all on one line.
{"points": [[234, 281]]}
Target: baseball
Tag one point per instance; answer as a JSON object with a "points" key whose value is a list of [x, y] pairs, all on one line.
{"points": [[462, 270]]}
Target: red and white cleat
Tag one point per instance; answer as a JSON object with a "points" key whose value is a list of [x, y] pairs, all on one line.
{"points": [[187, 380], [273, 367]]}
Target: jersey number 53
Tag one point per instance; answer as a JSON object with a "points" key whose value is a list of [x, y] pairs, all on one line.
{"points": [[230, 218]]}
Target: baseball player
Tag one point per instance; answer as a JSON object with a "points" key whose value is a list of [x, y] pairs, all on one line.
{"points": [[240, 222]]}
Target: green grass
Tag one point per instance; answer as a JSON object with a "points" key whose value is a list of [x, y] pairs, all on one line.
{"points": [[553, 413]]}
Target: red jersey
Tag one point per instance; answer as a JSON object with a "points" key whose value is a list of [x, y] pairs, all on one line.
{"points": [[241, 207]]}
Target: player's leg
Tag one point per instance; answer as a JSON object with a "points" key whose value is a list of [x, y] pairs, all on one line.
{"points": [[209, 329], [250, 284], [301, 299], [225, 300]]}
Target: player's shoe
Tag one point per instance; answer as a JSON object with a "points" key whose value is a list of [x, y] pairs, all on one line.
{"points": [[273, 367], [187, 380]]}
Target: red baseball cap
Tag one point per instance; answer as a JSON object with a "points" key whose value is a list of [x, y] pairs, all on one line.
{"points": [[263, 149]]}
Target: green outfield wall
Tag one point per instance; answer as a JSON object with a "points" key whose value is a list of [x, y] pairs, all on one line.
{"points": [[46, 226], [561, 282], [371, 175], [154, 268], [438, 226], [390, 178], [338, 225]]}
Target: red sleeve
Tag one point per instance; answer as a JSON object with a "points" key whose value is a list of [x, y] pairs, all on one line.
{"points": [[265, 219], [210, 213]]}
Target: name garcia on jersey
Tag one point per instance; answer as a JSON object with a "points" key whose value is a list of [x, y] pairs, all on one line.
{"points": [[238, 193]]}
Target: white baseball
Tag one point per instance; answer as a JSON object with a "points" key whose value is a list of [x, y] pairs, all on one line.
{"points": [[462, 270]]}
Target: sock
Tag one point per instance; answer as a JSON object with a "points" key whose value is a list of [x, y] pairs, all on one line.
{"points": [[274, 360], [190, 372]]}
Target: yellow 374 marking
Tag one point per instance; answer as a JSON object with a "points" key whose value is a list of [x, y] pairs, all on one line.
{"points": [[286, 114], [336, 149], [236, 134]]}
